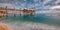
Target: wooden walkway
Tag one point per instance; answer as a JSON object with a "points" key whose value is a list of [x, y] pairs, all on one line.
{"points": [[7, 10]]}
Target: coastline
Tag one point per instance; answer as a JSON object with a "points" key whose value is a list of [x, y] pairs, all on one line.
{"points": [[31, 26]]}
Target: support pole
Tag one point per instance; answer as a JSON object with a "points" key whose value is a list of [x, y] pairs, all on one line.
{"points": [[14, 12], [6, 11]]}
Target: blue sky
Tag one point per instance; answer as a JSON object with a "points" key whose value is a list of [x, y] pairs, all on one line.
{"points": [[36, 4]]}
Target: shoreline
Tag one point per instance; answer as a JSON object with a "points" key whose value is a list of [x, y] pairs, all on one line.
{"points": [[31, 25]]}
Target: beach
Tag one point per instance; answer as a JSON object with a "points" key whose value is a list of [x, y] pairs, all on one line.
{"points": [[27, 26]]}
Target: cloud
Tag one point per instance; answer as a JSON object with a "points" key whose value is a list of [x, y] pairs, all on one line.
{"points": [[30, 3], [25, 0], [46, 1], [57, 2], [4, 5], [54, 7], [36, 0]]}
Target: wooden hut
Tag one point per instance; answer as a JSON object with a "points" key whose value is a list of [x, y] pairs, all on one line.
{"points": [[28, 11]]}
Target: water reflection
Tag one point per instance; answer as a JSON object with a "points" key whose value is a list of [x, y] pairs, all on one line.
{"points": [[40, 18], [26, 21]]}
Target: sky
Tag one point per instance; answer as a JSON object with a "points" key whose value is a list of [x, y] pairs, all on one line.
{"points": [[32, 4]]}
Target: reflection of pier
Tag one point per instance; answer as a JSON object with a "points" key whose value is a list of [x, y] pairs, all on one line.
{"points": [[6, 11]]}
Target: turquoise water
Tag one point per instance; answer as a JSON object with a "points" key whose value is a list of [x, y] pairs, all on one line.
{"points": [[39, 18]]}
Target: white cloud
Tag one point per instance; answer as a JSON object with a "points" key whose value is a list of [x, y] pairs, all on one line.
{"points": [[46, 1], [54, 7], [31, 6], [36, 4], [57, 2], [4, 4]]}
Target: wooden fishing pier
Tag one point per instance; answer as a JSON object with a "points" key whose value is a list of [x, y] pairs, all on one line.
{"points": [[6, 11]]}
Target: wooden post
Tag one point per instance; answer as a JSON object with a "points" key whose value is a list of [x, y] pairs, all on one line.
{"points": [[6, 11], [14, 12], [20, 11]]}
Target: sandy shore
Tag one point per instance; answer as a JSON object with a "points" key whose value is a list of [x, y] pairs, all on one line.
{"points": [[26, 26]]}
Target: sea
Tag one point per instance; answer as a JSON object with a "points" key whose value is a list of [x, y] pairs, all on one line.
{"points": [[36, 18]]}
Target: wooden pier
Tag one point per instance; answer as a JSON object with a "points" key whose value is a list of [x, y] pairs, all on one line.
{"points": [[6, 10]]}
